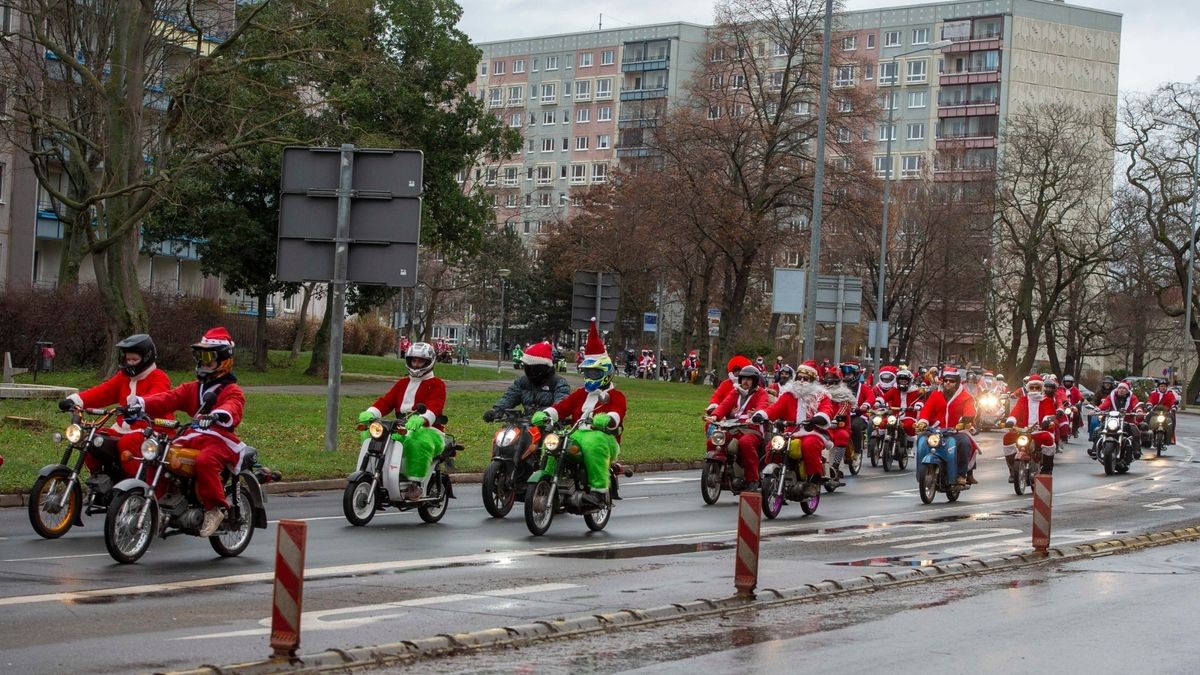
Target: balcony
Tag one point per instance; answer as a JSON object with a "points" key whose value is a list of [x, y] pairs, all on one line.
{"points": [[963, 174], [640, 151], [966, 142], [974, 45], [644, 65], [643, 94], [969, 108], [637, 122], [969, 77]]}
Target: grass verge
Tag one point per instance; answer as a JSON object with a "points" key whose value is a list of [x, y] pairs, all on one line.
{"points": [[288, 429]]}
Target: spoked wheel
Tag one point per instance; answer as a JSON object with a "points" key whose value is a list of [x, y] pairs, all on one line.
{"points": [[854, 463], [596, 520], [1158, 443], [772, 503], [1019, 474], [50, 516], [231, 542], [358, 502], [710, 481], [539, 507], [499, 492], [902, 460], [809, 506], [952, 494], [874, 446], [889, 449], [432, 511], [927, 479], [125, 540]]}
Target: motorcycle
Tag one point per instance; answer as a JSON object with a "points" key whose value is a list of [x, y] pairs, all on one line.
{"points": [[993, 409], [378, 482], [1115, 445], [1028, 460], [1158, 429], [136, 514], [514, 459], [722, 470], [784, 478], [566, 489], [57, 498], [892, 445], [937, 466]]}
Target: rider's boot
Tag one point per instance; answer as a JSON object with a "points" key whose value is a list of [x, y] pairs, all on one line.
{"points": [[1011, 460], [1047, 464], [971, 478]]}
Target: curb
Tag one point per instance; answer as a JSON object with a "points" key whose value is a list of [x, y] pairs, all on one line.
{"points": [[292, 487], [523, 634]]}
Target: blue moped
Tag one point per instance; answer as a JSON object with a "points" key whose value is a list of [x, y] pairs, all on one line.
{"points": [[937, 465]]}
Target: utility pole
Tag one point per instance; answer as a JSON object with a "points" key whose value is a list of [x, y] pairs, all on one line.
{"points": [[814, 254]]}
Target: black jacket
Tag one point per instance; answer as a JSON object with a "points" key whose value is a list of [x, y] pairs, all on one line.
{"points": [[522, 392]]}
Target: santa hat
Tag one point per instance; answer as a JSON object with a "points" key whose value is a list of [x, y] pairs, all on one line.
{"points": [[594, 347], [540, 354], [889, 369], [808, 368], [1123, 385], [736, 364], [1034, 378], [215, 337]]}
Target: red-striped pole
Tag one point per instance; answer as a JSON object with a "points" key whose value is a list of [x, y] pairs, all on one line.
{"points": [[289, 588], [1043, 493], [745, 572]]}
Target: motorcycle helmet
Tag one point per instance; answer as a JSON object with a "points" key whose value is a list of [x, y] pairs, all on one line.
{"points": [[904, 379], [1051, 388], [786, 374], [140, 344], [749, 379], [420, 359], [1108, 383], [213, 355], [831, 378], [850, 371], [538, 363], [1068, 380], [887, 377], [1000, 377]]}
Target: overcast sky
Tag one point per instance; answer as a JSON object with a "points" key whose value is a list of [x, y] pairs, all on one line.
{"points": [[1160, 39]]}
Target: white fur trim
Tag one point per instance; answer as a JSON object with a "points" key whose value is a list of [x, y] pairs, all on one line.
{"points": [[823, 416], [220, 417], [75, 398], [536, 360], [429, 417], [374, 411], [142, 375], [552, 414], [842, 394], [616, 419]]}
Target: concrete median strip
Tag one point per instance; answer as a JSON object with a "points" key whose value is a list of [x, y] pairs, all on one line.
{"points": [[525, 634]]}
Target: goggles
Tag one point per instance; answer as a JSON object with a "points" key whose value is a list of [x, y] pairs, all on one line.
{"points": [[593, 373]]}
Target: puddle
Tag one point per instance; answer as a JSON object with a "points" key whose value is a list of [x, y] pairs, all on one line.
{"points": [[898, 561], [1022, 583], [643, 551], [976, 517]]}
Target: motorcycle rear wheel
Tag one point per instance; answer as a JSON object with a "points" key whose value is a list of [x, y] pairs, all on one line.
{"points": [[539, 507], [710, 481], [126, 543], [47, 524], [596, 520], [431, 512], [499, 492], [855, 464], [231, 543], [359, 502], [927, 480]]}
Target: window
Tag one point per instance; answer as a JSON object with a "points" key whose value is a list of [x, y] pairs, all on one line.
{"points": [[547, 145], [567, 89], [599, 173], [718, 54], [510, 176], [583, 115], [870, 41], [918, 71], [849, 43], [581, 142], [918, 99], [583, 90], [498, 67], [869, 71], [891, 38], [458, 178], [528, 199], [495, 99], [714, 112], [547, 117], [603, 142], [519, 66], [570, 60], [566, 116], [882, 166], [515, 120], [803, 108], [738, 82], [510, 201], [985, 61], [549, 93], [532, 145], [845, 76], [989, 28], [533, 65], [545, 174], [562, 172], [780, 49], [887, 132], [844, 105], [551, 63], [775, 81], [515, 95], [715, 82], [916, 132], [865, 134], [604, 114], [910, 166], [566, 144], [607, 57], [544, 199], [739, 110], [889, 101], [483, 69], [578, 174], [887, 72], [604, 88], [843, 135], [585, 60], [920, 36]]}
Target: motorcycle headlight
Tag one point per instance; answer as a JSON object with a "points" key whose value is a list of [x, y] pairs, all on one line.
{"points": [[891, 420], [988, 401], [1023, 441], [150, 449], [1112, 423], [505, 437], [73, 433], [935, 440], [552, 441], [877, 420], [376, 429], [778, 442], [718, 437], [1161, 419]]}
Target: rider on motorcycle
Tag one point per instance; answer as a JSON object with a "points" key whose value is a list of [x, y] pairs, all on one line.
{"points": [[538, 388], [886, 380], [727, 385], [215, 403], [804, 402], [137, 376], [1062, 423], [952, 408], [904, 395], [1163, 397], [748, 396], [844, 405], [1074, 398], [1035, 409], [785, 375], [600, 443], [1122, 399], [424, 438]]}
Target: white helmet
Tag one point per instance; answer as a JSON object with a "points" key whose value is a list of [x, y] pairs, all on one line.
{"points": [[422, 351]]}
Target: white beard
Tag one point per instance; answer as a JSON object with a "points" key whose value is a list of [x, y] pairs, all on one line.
{"points": [[841, 394], [808, 395], [1036, 397]]}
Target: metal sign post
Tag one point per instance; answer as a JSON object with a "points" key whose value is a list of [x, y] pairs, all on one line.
{"points": [[341, 261]]}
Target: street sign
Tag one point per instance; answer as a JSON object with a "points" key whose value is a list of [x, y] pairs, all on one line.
{"points": [[872, 332], [829, 297], [650, 322], [714, 322], [596, 294], [787, 292]]}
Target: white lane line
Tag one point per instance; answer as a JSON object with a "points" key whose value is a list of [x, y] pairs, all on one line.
{"points": [[318, 620], [1162, 505], [56, 557], [995, 532]]}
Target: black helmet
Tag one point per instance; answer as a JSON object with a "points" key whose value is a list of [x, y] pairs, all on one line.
{"points": [[1109, 380], [140, 344], [787, 370], [750, 372], [538, 373]]}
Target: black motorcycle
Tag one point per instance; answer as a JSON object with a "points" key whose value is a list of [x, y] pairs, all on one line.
{"points": [[1158, 421], [566, 489], [514, 458], [1116, 447], [57, 500], [891, 443]]}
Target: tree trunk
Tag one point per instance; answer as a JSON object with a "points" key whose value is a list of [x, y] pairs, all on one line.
{"points": [[318, 365], [260, 333], [302, 322]]}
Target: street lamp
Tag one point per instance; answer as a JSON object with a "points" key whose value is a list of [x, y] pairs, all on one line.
{"points": [[880, 335], [503, 273], [1188, 342]]}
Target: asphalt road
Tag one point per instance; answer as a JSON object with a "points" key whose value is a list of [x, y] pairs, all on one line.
{"points": [[65, 604]]}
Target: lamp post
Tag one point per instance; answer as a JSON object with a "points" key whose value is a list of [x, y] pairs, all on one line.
{"points": [[1188, 342], [503, 273], [880, 335]]}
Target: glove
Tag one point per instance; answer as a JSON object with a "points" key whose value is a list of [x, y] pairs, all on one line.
{"points": [[366, 417], [203, 421], [809, 424], [415, 422], [66, 405], [711, 407], [491, 415], [601, 421], [1012, 422], [759, 417], [1048, 420], [921, 425], [539, 418]]}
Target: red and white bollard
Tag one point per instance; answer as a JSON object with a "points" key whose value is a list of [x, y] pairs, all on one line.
{"points": [[745, 571], [289, 588], [1043, 494]]}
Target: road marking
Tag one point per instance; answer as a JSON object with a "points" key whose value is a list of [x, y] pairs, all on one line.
{"points": [[874, 533], [664, 480], [985, 534], [56, 557], [322, 619], [1163, 504]]}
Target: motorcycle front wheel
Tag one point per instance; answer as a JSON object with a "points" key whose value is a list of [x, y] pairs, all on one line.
{"points": [[499, 492], [1019, 477], [902, 460], [231, 543], [48, 516], [927, 480], [432, 511], [125, 541], [1158, 443], [710, 481], [889, 450], [874, 453], [1109, 459], [772, 503], [539, 507], [358, 502]]}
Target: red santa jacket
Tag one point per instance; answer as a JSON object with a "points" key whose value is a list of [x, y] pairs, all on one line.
{"points": [[947, 414], [408, 392], [910, 399], [583, 403], [1023, 415], [1073, 395], [1166, 399], [118, 389], [1110, 403], [800, 401], [865, 394], [227, 409], [723, 390], [736, 405]]}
